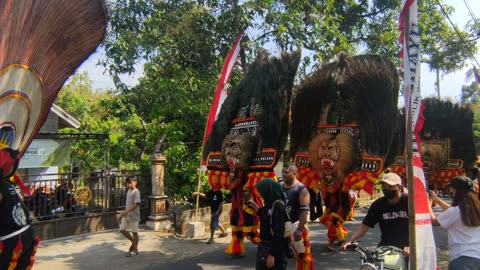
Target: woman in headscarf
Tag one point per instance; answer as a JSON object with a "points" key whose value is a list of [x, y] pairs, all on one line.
{"points": [[462, 221], [273, 248]]}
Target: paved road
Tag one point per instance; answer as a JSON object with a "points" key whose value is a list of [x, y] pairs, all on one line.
{"points": [[106, 250]]}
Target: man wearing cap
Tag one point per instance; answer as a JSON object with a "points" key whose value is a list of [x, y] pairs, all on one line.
{"points": [[390, 212]]}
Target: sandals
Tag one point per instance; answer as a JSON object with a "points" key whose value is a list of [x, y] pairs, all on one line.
{"points": [[223, 235], [209, 241], [132, 253]]}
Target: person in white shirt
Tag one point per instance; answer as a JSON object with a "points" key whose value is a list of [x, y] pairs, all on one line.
{"points": [[131, 216], [462, 221]]}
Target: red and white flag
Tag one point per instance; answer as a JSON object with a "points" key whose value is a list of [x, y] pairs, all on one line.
{"points": [[425, 250], [220, 92]]}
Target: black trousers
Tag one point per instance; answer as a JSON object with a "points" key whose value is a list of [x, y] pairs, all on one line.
{"points": [[316, 209], [28, 240]]}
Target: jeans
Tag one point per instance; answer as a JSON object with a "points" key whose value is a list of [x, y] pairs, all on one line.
{"points": [[214, 221], [464, 263]]}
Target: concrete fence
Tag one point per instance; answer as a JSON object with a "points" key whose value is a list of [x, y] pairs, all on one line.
{"points": [[182, 217]]}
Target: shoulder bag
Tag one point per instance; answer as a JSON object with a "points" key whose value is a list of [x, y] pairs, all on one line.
{"points": [[288, 222]]}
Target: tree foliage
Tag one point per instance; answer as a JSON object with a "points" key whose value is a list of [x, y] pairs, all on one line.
{"points": [[445, 48], [182, 44], [97, 112]]}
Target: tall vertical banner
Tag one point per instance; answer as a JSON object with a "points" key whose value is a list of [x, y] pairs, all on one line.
{"points": [[425, 250], [221, 92]]}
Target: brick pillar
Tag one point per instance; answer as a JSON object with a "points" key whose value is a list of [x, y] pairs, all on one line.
{"points": [[158, 219]]}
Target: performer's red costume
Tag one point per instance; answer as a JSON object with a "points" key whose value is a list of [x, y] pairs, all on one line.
{"points": [[343, 126]]}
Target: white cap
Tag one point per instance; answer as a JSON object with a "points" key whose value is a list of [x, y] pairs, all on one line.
{"points": [[392, 179]]}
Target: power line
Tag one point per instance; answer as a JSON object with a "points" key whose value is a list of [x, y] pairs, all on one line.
{"points": [[455, 28], [470, 11]]}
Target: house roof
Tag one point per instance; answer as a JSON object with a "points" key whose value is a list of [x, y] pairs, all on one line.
{"points": [[65, 120]]}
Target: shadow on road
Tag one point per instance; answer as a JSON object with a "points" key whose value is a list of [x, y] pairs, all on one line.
{"points": [[107, 250]]}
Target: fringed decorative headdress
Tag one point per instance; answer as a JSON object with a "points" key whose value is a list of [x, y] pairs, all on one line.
{"points": [[446, 140], [252, 127], [344, 118]]}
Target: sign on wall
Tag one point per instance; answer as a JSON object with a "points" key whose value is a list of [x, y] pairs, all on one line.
{"points": [[43, 153]]}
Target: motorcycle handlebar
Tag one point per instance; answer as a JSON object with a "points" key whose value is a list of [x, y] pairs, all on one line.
{"points": [[352, 247]]}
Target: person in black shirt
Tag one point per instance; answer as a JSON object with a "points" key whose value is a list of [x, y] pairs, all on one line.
{"points": [[390, 212], [61, 192], [273, 247], [215, 199], [17, 238]]}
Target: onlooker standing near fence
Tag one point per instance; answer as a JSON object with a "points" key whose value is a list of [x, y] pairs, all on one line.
{"points": [[215, 198], [131, 216]]}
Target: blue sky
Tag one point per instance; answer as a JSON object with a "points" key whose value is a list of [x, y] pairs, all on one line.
{"points": [[450, 84]]}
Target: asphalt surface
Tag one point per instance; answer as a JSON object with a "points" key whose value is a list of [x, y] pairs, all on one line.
{"points": [[107, 250]]}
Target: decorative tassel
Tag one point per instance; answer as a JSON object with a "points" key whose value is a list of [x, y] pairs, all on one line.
{"points": [[306, 261], [16, 254], [236, 246], [341, 233], [19, 182], [32, 256], [253, 235]]}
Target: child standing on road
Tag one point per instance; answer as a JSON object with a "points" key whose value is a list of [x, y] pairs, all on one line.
{"points": [[215, 199], [131, 216]]}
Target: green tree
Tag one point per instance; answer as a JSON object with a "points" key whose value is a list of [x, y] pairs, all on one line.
{"points": [[95, 111], [182, 45], [476, 123], [445, 48], [79, 100], [470, 93]]}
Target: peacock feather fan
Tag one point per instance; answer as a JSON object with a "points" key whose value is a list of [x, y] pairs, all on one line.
{"points": [[42, 44], [264, 94], [444, 119]]}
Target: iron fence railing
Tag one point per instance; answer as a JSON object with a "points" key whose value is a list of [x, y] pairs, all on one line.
{"points": [[53, 195]]}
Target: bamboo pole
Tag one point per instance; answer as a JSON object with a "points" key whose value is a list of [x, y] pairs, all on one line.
{"points": [[198, 192], [409, 159]]}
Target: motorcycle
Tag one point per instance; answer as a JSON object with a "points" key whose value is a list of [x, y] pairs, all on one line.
{"points": [[380, 258], [46, 207]]}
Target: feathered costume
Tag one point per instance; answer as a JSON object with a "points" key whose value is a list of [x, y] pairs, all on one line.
{"points": [[42, 43], [446, 142], [344, 118], [248, 137]]}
